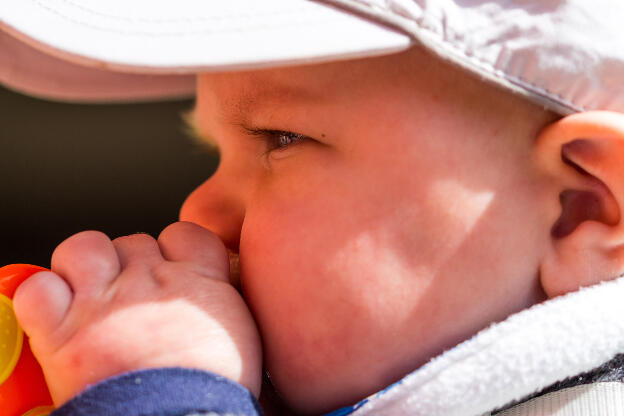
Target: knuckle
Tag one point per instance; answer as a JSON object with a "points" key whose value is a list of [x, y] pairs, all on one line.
{"points": [[182, 230], [134, 239], [183, 227], [80, 240], [87, 236]]}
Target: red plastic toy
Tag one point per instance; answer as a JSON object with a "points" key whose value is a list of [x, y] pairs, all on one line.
{"points": [[23, 390]]}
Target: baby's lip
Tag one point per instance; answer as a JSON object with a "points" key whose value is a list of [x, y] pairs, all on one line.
{"points": [[234, 269]]}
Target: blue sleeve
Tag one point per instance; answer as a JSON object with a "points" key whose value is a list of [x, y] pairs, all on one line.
{"points": [[163, 392]]}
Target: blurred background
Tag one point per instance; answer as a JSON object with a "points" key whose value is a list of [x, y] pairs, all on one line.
{"points": [[64, 168]]}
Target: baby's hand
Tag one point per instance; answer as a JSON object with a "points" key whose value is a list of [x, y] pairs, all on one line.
{"points": [[109, 307]]}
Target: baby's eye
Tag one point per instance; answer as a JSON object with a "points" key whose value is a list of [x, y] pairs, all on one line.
{"points": [[285, 138], [277, 139]]}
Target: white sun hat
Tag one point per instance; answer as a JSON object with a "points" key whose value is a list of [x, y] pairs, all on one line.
{"points": [[567, 55]]}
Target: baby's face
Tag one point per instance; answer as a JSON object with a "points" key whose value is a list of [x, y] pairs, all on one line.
{"points": [[384, 210]]}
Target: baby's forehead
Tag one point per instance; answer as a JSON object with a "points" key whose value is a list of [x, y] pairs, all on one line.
{"points": [[317, 80], [242, 92], [246, 88], [411, 75], [236, 95]]}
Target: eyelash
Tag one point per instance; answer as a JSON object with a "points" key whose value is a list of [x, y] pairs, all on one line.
{"points": [[277, 140]]}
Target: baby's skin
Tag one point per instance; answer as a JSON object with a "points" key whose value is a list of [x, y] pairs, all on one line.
{"points": [[361, 197], [384, 210], [108, 307]]}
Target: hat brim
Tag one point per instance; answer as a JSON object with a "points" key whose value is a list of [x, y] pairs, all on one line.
{"points": [[142, 50], [29, 71]]}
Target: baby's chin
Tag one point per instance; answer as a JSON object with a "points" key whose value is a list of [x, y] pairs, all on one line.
{"points": [[318, 390], [306, 398]]}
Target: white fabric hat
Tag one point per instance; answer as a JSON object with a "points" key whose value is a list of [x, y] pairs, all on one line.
{"points": [[567, 55]]}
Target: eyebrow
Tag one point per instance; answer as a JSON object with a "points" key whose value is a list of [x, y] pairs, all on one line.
{"points": [[247, 102], [237, 112]]}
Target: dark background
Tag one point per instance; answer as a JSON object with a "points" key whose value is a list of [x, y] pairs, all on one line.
{"points": [[64, 168]]}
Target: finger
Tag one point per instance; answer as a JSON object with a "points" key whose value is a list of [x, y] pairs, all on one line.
{"points": [[87, 261], [41, 303], [137, 249], [188, 242]]}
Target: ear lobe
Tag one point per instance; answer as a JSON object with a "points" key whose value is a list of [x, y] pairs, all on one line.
{"points": [[584, 155]]}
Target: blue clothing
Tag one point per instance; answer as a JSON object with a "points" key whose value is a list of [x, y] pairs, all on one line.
{"points": [[163, 392]]}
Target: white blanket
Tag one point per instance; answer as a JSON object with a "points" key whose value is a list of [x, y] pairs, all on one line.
{"points": [[512, 359]]}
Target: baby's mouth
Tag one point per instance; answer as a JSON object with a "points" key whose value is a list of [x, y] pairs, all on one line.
{"points": [[234, 270]]}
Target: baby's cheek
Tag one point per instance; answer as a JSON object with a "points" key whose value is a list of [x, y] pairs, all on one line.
{"points": [[318, 299]]}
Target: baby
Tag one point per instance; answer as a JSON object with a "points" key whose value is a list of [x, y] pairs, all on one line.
{"points": [[384, 209]]}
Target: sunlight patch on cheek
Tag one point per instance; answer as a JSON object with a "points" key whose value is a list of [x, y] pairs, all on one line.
{"points": [[462, 209], [400, 256], [374, 268]]}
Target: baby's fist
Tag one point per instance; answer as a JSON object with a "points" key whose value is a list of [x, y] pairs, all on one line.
{"points": [[110, 307]]}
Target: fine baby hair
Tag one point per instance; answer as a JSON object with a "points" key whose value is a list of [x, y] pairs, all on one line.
{"points": [[493, 77]]}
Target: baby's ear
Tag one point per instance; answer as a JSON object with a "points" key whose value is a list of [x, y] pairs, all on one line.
{"points": [[584, 155]]}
